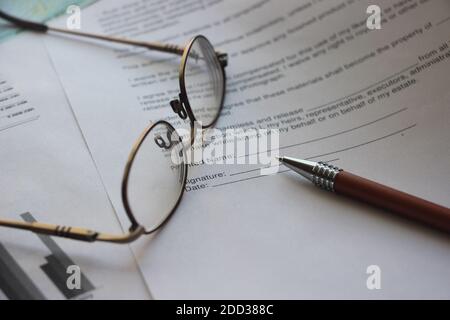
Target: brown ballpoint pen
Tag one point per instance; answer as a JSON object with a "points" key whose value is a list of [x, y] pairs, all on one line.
{"points": [[333, 179]]}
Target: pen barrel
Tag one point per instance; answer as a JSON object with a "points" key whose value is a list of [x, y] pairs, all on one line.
{"points": [[407, 205]]}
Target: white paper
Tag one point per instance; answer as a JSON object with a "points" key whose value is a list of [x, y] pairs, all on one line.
{"points": [[248, 236], [47, 171]]}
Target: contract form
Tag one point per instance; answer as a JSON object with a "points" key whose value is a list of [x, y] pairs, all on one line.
{"points": [[336, 90], [48, 175]]}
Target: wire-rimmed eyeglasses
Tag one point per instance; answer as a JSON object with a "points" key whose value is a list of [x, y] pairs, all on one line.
{"points": [[153, 181]]}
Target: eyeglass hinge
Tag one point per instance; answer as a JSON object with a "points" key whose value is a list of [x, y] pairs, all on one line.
{"points": [[223, 59], [178, 108]]}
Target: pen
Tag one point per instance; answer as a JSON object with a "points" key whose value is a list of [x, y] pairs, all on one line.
{"points": [[336, 180]]}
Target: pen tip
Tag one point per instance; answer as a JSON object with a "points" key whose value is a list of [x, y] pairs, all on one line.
{"points": [[279, 158]]}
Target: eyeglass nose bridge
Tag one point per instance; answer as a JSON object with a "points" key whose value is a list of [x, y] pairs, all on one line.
{"points": [[178, 108]]}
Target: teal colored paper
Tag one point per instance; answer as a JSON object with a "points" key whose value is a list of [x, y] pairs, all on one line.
{"points": [[36, 10]]}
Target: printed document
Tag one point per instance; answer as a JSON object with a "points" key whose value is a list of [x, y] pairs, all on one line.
{"points": [[374, 102], [48, 175]]}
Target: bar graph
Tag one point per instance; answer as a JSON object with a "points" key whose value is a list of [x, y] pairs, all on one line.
{"points": [[16, 284], [56, 267]]}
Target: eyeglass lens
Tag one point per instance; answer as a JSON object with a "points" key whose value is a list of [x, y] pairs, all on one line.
{"points": [[156, 177], [204, 81]]}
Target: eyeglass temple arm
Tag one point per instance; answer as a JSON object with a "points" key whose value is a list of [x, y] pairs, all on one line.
{"points": [[40, 27], [74, 233]]}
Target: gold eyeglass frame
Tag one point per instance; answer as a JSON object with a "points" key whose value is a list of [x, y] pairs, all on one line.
{"points": [[180, 106]]}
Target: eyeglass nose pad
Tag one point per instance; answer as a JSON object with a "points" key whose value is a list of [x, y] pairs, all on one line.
{"points": [[177, 107], [160, 142]]}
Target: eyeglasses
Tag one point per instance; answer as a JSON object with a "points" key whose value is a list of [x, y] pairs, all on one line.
{"points": [[155, 174]]}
